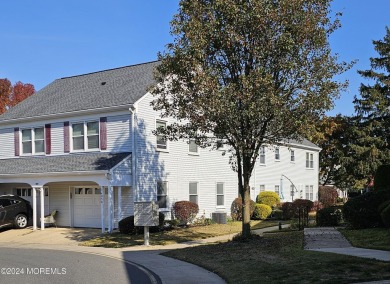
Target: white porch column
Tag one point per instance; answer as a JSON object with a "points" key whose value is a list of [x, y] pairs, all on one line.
{"points": [[102, 195], [42, 207], [110, 209], [34, 208], [119, 203]]}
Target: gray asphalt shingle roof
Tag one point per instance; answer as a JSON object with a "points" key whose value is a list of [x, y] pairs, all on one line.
{"points": [[61, 164], [108, 88]]}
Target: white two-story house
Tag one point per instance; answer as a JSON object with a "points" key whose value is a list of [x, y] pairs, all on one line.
{"points": [[84, 145]]}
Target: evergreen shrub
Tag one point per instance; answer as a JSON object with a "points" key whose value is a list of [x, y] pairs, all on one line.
{"points": [[261, 212], [382, 178], [385, 215], [362, 211], [329, 216], [269, 198], [288, 210], [126, 225]]}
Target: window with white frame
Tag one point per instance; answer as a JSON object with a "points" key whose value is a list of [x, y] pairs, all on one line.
{"points": [[277, 154], [262, 187], [277, 189], [161, 141], [292, 155], [33, 140], [309, 192], [192, 147], [85, 136], [220, 194], [193, 192], [262, 155], [23, 191], [309, 160], [162, 193]]}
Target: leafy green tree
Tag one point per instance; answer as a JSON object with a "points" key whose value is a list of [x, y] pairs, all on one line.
{"points": [[372, 146], [245, 73]]}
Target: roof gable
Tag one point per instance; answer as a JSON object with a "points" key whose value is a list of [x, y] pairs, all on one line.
{"points": [[104, 89]]}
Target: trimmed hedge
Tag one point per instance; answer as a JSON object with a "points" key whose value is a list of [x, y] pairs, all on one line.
{"points": [[269, 198], [382, 178], [385, 215], [185, 211], [362, 211], [126, 225], [236, 209], [302, 203], [329, 216], [261, 212]]}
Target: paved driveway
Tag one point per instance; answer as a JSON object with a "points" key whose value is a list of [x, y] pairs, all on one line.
{"points": [[49, 236]]}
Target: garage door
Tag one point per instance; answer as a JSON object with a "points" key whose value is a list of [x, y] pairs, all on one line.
{"points": [[86, 206]]}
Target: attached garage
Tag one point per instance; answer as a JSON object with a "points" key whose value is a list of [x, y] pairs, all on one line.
{"points": [[86, 207]]}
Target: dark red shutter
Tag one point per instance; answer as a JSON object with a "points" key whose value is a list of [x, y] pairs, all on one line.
{"points": [[16, 141], [103, 133], [48, 139], [66, 137]]}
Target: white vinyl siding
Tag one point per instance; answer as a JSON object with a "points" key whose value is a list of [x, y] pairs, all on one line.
{"points": [[262, 187]]}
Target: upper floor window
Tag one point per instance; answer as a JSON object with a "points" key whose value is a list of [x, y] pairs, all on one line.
{"points": [[192, 147], [292, 156], [85, 135], [33, 140], [277, 154], [309, 160], [262, 155], [162, 192], [161, 141]]}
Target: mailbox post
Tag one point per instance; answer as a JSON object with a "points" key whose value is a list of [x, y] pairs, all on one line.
{"points": [[146, 215]]}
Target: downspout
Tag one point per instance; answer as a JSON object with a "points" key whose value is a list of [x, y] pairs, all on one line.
{"points": [[132, 110]]}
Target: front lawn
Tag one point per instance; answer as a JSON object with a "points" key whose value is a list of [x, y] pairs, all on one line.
{"points": [[177, 235], [279, 258], [373, 238]]}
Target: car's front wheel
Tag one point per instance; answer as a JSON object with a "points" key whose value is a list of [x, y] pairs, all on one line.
{"points": [[21, 221]]}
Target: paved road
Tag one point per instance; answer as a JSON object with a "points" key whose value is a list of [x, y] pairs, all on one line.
{"points": [[52, 266]]}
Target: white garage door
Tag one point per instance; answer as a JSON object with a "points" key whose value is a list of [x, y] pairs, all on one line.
{"points": [[86, 207]]}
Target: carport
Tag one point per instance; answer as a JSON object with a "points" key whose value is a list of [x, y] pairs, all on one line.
{"points": [[80, 183]]}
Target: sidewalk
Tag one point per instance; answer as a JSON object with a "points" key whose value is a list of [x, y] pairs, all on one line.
{"points": [[329, 239]]}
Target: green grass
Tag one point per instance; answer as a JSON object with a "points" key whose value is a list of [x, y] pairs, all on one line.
{"points": [[279, 258], [374, 238], [178, 235]]}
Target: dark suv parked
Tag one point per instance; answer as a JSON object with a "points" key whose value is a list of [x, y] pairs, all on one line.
{"points": [[14, 211]]}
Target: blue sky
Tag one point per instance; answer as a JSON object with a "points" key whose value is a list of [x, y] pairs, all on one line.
{"points": [[44, 40]]}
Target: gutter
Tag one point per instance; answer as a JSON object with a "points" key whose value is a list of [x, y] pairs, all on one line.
{"points": [[132, 110]]}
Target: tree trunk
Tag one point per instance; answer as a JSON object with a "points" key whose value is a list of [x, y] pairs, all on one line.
{"points": [[246, 216]]}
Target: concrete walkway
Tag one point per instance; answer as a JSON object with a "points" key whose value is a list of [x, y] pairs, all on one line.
{"points": [[329, 239]]}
